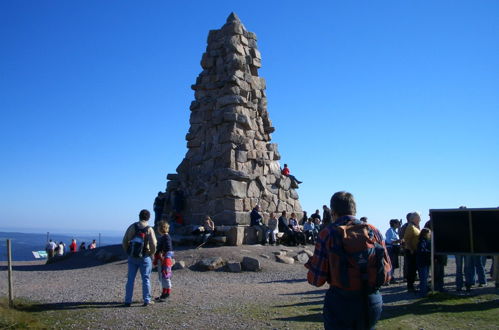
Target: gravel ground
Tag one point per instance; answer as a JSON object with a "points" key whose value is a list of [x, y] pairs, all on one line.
{"points": [[200, 300]]}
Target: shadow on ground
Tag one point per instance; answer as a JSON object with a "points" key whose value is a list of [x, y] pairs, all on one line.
{"points": [[68, 306]]}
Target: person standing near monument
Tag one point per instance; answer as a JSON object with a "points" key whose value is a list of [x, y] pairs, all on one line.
{"points": [[73, 247], [262, 231], [139, 242], [392, 242], [411, 239], [345, 259], [62, 247], [163, 259], [326, 216], [158, 205], [50, 249]]}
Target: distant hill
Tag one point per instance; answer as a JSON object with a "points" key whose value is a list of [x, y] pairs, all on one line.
{"points": [[24, 243]]}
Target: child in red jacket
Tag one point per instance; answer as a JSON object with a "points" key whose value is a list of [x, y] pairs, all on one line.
{"points": [[164, 260]]}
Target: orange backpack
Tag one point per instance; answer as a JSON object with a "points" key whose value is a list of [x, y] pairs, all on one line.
{"points": [[358, 258]]}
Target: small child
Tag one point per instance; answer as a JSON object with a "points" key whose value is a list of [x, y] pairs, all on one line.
{"points": [[163, 258], [423, 260]]}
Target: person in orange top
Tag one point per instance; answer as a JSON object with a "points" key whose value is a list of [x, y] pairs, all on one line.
{"points": [[411, 239], [285, 172]]}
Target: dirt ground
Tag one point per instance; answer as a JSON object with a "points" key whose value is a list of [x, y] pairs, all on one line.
{"points": [[84, 293]]}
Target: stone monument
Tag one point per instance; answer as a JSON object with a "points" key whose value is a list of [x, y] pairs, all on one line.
{"points": [[230, 165]]}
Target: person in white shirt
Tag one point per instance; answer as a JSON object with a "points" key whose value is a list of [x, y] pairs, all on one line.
{"points": [[392, 242], [50, 248], [62, 247], [273, 228]]}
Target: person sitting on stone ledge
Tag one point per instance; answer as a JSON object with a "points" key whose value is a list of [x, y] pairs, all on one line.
{"points": [[310, 231], [209, 229], [273, 228], [285, 172], [304, 219], [262, 232], [297, 229], [289, 235]]}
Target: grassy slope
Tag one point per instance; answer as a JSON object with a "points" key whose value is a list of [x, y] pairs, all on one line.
{"points": [[441, 311]]}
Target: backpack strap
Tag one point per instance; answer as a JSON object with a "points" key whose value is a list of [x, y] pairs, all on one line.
{"points": [[339, 250]]}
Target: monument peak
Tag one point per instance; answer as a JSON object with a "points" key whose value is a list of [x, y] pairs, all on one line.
{"points": [[230, 165], [233, 18]]}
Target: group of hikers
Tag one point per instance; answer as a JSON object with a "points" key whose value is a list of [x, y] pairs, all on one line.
{"points": [[54, 249]]}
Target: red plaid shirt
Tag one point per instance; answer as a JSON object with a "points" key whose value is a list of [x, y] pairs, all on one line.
{"points": [[319, 268]]}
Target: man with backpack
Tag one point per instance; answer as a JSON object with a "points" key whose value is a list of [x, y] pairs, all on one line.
{"points": [[350, 256], [139, 243]]}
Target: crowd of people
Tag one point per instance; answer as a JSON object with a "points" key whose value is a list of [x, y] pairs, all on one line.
{"points": [[55, 249], [413, 243]]}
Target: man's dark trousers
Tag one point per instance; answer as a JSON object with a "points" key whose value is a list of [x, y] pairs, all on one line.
{"points": [[347, 310]]}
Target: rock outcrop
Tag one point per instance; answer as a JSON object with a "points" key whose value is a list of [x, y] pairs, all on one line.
{"points": [[230, 165]]}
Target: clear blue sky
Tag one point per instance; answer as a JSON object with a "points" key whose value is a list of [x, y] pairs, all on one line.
{"points": [[394, 101]]}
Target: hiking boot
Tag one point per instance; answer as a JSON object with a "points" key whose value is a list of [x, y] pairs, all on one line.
{"points": [[148, 303], [160, 299]]}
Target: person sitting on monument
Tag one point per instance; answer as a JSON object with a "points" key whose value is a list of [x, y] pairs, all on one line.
{"points": [[304, 219], [262, 232], [297, 229], [289, 235], [310, 231], [273, 228], [209, 229], [285, 171]]}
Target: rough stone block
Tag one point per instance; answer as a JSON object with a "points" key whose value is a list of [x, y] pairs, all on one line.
{"points": [[235, 236], [251, 264], [253, 190], [232, 188], [250, 236], [285, 260], [208, 264], [241, 156], [234, 267]]}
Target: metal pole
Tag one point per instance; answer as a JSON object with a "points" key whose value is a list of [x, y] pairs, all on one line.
{"points": [[9, 270], [432, 262]]}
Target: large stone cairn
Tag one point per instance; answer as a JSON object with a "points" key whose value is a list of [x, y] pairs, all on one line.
{"points": [[231, 165]]}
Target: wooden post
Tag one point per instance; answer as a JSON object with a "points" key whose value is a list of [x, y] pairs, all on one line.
{"points": [[432, 263], [9, 270]]}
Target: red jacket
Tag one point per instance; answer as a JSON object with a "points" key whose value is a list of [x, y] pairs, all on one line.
{"points": [[72, 247], [285, 171]]}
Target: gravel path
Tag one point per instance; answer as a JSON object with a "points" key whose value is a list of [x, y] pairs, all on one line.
{"points": [[200, 300]]}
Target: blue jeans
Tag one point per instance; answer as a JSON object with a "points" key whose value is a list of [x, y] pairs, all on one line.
{"points": [[344, 310], [423, 271], [475, 267], [145, 267]]}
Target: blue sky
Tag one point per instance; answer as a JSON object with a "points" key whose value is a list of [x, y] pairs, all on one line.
{"points": [[394, 101]]}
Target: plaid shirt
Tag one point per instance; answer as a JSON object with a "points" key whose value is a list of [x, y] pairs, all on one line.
{"points": [[318, 266]]}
